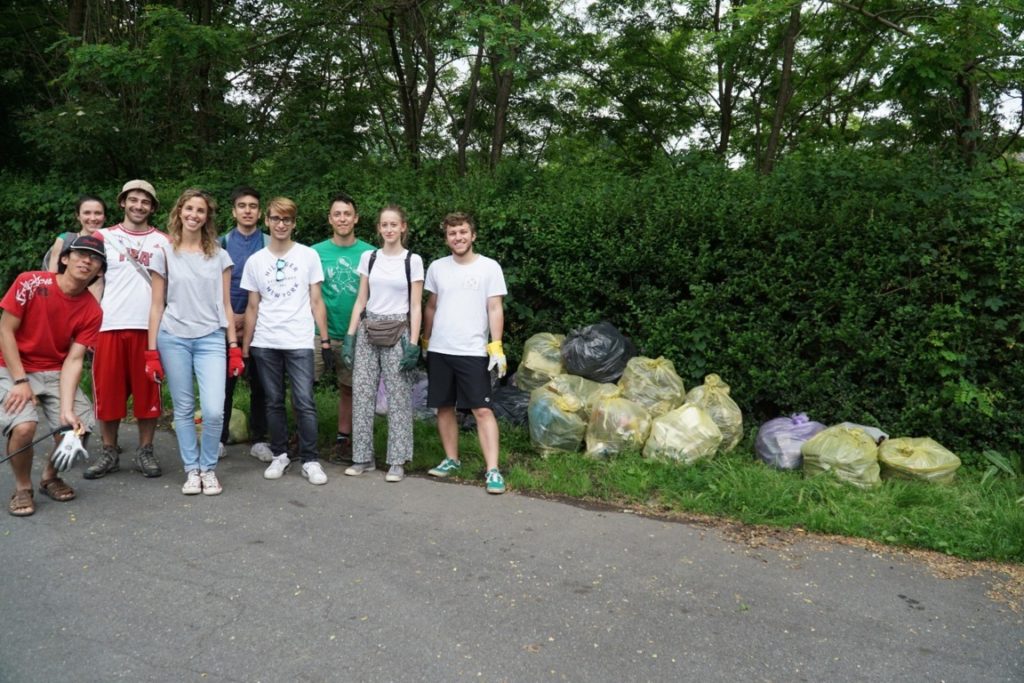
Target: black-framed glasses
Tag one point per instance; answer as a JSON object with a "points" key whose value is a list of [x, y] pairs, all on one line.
{"points": [[279, 275], [283, 220]]}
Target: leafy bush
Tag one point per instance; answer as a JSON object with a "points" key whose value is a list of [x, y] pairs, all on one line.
{"points": [[851, 287]]}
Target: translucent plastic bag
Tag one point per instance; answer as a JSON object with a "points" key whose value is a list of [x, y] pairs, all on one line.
{"points": [[542, 360], [686, 434], [918, 458], [591, 393], [874, 432], [713, 396], [849, 453], [778, 441], [598, 352], [556, 421], [653, 383], [616, 424], [238, 427]]}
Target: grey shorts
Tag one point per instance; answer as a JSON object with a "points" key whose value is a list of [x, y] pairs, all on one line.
{"points": [[46, 387], [343, 374]]}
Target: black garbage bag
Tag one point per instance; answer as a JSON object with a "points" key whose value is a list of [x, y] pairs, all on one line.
{"points": [[509, 405], [598, 352]]}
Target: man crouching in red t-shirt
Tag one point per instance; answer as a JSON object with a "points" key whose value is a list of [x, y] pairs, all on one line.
{"points": [[46, 325]]}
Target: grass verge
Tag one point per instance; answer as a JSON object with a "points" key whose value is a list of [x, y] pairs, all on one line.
{"points": [[972, 518]]}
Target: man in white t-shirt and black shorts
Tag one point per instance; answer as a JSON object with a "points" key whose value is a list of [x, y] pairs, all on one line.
{"points": [[465, 304]]}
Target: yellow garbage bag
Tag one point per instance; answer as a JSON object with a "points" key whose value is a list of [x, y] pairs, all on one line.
{"points": [[849, 453], [686, 434], [238, 426], [616, 424], [588, 391], [542, 360], [653, 383], [556, 421], [918, 458], [713, 396]]}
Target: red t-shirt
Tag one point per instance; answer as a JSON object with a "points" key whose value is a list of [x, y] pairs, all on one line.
{"points": [[50, 320]]}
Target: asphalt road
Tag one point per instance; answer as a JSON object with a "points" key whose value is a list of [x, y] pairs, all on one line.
{"points": [[360, 580]]}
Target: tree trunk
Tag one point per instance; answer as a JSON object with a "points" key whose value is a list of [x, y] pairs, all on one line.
{"points": [[785, 89], [76, 18], [467, 121], [969, 127]]}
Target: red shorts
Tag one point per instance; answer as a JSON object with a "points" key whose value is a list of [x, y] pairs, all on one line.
{"points": [[118, 371]]}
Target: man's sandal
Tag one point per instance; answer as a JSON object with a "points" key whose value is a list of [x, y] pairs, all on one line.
{"points": [[57, 489], [22, 504]]}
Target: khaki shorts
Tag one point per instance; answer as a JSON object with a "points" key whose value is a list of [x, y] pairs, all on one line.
{"points": [[344, 374], [46, 387]]}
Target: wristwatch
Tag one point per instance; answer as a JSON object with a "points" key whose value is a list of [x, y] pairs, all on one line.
{"points": [[325, 341]]}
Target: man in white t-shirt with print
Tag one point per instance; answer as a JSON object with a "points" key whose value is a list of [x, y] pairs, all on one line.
{"points": [[283, 280], [465, 304], [118, 366]]}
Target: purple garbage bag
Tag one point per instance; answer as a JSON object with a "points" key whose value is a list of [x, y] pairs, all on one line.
{"points": [[779, 440]]}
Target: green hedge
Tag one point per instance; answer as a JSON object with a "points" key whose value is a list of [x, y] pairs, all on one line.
{"points": [[850, 287]]}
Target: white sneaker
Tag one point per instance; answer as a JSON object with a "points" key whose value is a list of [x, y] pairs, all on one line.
{"points": [[278, 464], [314, 473], [211, 487], [221, 452], [396, 473], [192, 485], [261, 451]]}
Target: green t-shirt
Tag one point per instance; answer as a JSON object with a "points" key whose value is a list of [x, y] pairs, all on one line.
{"points": [[341, 282]]}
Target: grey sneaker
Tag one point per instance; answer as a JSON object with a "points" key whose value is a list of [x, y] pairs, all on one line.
{"points": [[395, 474], [147, 462], [261, 451], [106, 463], [360, 468]]}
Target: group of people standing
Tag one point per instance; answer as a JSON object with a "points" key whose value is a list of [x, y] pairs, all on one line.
{"points": [[195, 309]]}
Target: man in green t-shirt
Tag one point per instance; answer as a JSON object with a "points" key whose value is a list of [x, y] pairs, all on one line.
{"points": [[340, 258]]}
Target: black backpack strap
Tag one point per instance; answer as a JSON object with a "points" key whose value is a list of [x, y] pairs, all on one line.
{"points": [[408, 274]]}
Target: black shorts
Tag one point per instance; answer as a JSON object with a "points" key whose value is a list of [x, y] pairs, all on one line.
{"points": [[460, 381]]}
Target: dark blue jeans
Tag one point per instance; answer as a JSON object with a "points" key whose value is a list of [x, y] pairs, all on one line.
{"points": [[298, 364], [257, 405]]}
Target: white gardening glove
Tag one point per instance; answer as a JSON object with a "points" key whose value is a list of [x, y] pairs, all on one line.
{"points": [[69, 451], [496, 358]]}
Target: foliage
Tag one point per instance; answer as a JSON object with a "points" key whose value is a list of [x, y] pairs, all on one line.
{"points": [[849, 286]]}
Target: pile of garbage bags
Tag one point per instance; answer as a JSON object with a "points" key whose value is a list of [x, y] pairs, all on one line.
{"points": [[858, 454], [610, 400]]}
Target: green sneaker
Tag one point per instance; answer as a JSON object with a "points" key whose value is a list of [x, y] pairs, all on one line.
{"points": [[495, 484], [446, 467]]}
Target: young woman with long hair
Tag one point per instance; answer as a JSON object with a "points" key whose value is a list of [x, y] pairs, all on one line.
{"points": [[189, 324]]}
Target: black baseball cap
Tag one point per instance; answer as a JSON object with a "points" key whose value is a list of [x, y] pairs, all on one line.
{"points": [[88, 243]]}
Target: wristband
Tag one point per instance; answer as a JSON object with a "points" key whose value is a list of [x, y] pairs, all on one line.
{"points": [[324, 341], [23, 380]]}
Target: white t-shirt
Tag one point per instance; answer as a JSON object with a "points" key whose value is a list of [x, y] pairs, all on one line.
{"points": [[389, 288], [127, 294], [461, 327], [195, 291], [285, 319]]}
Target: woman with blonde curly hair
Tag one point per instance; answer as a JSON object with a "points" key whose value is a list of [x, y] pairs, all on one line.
{"points": [[189, 324]]}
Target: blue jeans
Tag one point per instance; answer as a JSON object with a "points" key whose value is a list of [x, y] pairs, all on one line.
{"points": [[207, 357], [298, 363]]}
